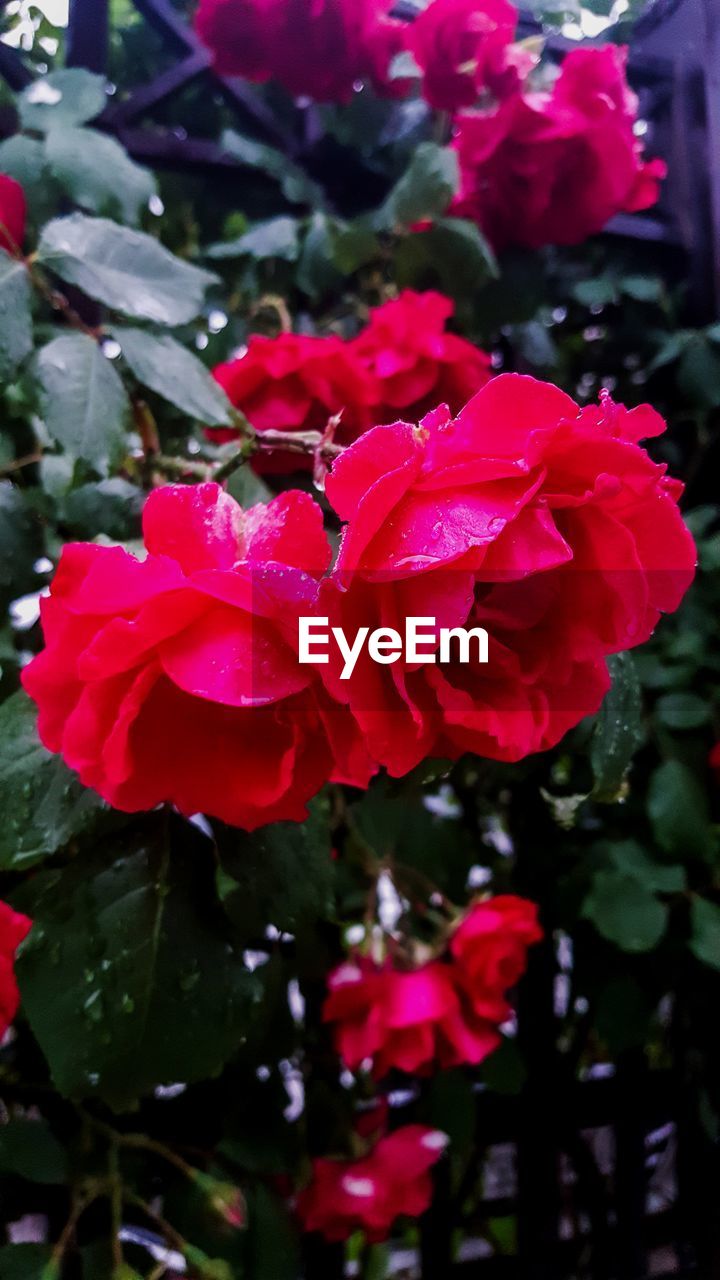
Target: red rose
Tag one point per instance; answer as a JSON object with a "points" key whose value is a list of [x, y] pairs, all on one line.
{"points": [[539, 521], [320, 49], [460, 47], [294, 383], [413, 1020], [413, 363], [13, 928], [175, 678], [12, 215], [555, 167], [367, 1195], [489, 949]]}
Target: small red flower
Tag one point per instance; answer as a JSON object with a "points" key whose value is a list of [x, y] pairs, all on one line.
{"points": [[489, 949], [413, 362], [14, 927], [12, 215], [413, 1020], [368, 1194], [554, 167], [296, 383]]}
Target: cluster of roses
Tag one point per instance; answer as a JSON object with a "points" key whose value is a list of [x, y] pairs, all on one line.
{"points": [[403, 363], [444, 1013], [540, 163], [177, 677]]}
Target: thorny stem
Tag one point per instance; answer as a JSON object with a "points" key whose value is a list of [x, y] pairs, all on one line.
{"points": [[172, 1236], [140, 1142]]}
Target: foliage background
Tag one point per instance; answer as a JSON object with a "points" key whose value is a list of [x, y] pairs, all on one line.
{"points": [[163, 953]]}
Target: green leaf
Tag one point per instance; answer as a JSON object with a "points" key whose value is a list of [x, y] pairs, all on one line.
{"points": [[21, 542], [705, 938], [128, 977], [173, 372], [678, 812], [698, 373], [282, 874], [618, 730], [23, 159], [682, 710], [354, 245], [642, 288], [84, 405], [276, 238], [16, 338], [42, 803], [629, 857], [29, 1148], [66, 97], [112, 507], [295, 184], [625, 911], [424, 190], [452, 255], [317, 274], [597, 292], [125, 269], [98, 173], [24, 1261], [272, 1242]]}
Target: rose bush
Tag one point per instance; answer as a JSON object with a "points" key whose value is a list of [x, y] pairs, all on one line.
{"points": [[312, 957]]}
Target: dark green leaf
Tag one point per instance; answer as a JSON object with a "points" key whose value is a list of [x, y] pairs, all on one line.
{"points": [[682, 710], [630, 858], [16, 340], [127, 270], [21, 542], [66, 97], [354, 246], [705, 938], [83, 400], [111, 507], [281, 875], [98, 173], [173, 372], [272, 1241], [30, 1149], [24, 1261], [625, 911], [424, 190], [618, 730], [317, 274], [128, 979], [42, 803], [452, 255], [678, 812]]}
